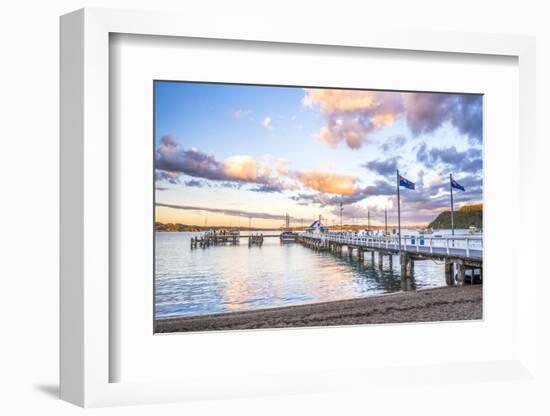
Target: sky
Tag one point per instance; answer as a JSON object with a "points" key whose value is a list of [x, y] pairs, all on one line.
{"points": [[230, 155]]}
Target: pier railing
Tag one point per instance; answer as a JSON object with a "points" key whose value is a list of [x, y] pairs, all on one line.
{"points": [[459, 246]]}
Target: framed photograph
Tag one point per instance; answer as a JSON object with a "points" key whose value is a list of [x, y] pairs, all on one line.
{"points": [[250, 233], [273, 214]]}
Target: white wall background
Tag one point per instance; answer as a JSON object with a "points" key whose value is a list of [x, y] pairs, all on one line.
{"points": [[29, 188]]}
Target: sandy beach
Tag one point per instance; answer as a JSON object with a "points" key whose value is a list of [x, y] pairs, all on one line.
{"points": [[439, 304]]}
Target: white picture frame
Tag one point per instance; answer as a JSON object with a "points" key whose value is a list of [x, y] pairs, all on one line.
{"points": [[85, 211]]}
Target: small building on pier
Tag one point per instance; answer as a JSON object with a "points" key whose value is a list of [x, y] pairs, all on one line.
{"points": [[317, 227]]}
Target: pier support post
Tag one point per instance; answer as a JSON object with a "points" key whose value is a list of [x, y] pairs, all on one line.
{"points": [[411, 268], [380, 260], [403, 259], [407, 266], [407, 270], [449, 278], [461, 273]]}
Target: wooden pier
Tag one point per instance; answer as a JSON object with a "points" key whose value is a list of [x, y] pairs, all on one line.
{"points": [[255, 240], [214, 238], [220, 238], [462, 255]]}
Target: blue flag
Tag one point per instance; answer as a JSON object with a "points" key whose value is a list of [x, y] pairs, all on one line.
{"points": [[456, 185], [406, 183]]}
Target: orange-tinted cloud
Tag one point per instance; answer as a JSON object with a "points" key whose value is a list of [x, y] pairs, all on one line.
{"points": [[352, 131], [383, 119], [243, 168], [327, 182], [341, 101], [351, 115], [270, 175]]}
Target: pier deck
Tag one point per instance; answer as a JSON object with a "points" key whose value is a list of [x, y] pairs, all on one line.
{"points": [[463, 247], [460, 253]]}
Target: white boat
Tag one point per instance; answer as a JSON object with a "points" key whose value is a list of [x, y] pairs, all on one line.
{"points": [[287, 235]]}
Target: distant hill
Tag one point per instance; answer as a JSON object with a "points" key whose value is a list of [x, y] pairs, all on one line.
{"points": [[463, 218]]}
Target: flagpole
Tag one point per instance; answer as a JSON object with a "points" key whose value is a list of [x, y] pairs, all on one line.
{"points": [[385, 222], [452, 205], [398, 212]]}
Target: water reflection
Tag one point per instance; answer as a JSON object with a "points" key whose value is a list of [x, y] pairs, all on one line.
{"points": [[235, 277]]}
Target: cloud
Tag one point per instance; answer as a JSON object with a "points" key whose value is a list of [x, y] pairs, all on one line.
{"points": [[281, 166], [393, 143], [268, 188], [267, 122], [194, 183], [425, 112], [231, 185], [351, 115], [451, 159], [383, 167], [419, 206], [335, 101], [351, 131], [227, 211], [431, 198], [241, 114], [172, 160], [380, 187], [170, 157], [243, 168], [467, 117], [326, 182], [167, 176]]}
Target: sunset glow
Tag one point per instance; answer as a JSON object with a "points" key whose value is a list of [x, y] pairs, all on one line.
{"points": [[234, 155]]}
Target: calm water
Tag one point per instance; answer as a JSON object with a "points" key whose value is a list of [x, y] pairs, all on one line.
{"points": [[236, 278]]}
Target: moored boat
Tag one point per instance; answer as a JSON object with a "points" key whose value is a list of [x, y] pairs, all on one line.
{"points": [[287, 236]]}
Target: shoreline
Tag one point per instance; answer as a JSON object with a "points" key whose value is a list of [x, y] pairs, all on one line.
{"points": [[425, 305]]}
